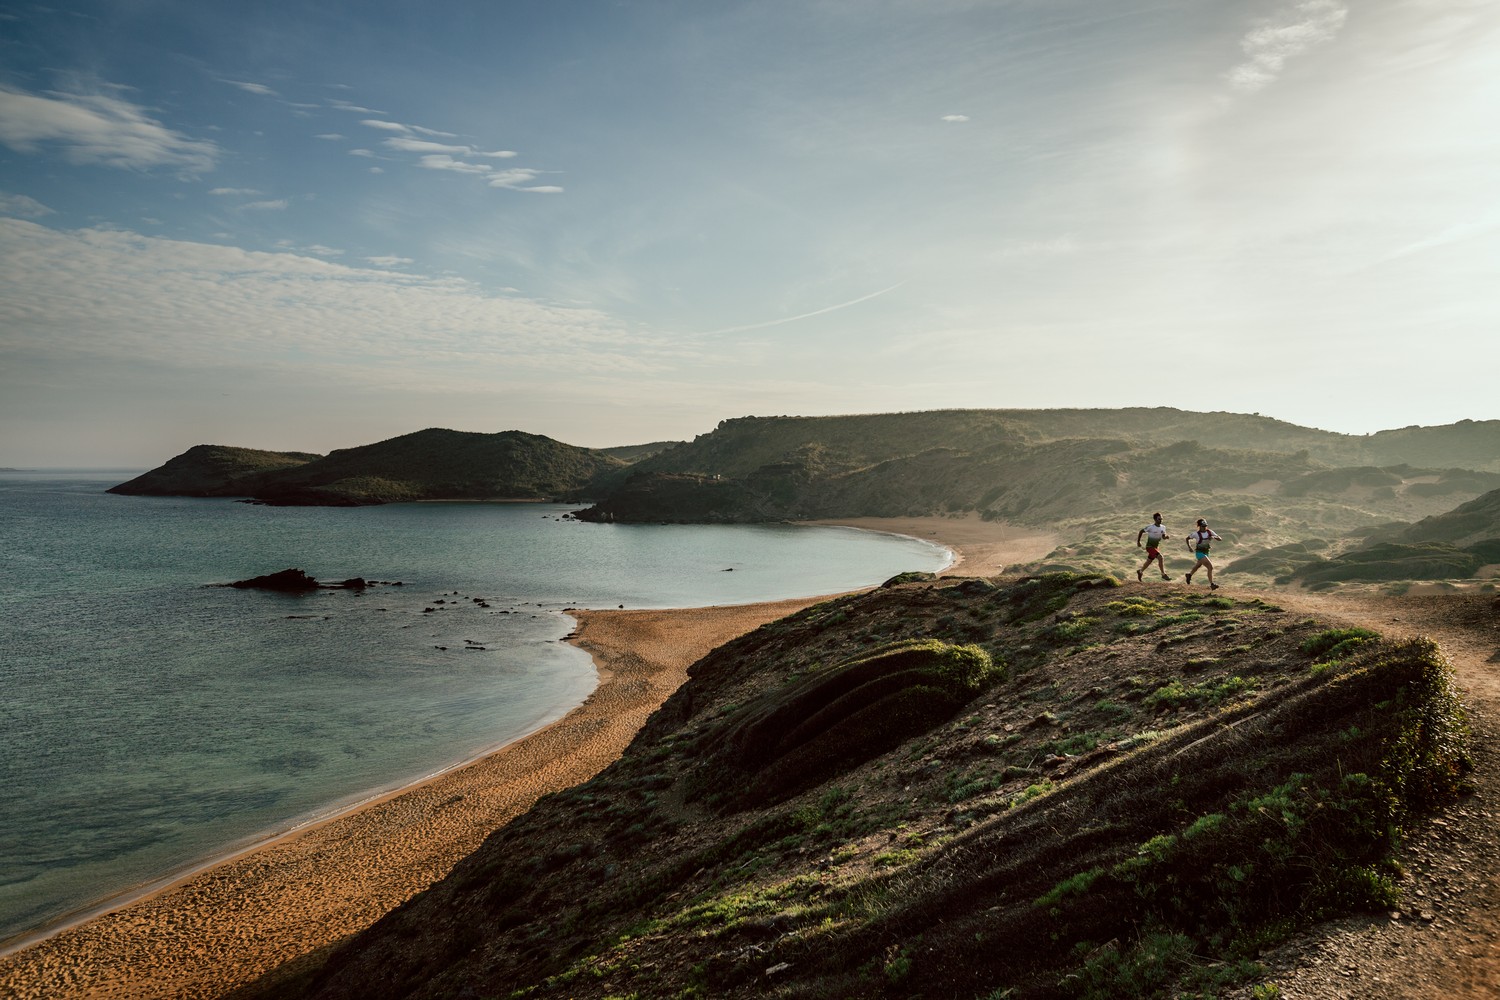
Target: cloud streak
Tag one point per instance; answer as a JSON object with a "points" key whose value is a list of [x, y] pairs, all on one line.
{"points": [[1290, 32], [807, 315], [98, 129], [22, 206], [457, 158]]}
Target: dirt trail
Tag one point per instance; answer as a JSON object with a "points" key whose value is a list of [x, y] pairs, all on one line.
{"points": [[1445, 940]]}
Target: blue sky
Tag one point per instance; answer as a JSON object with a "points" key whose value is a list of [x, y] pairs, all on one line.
{"points": [[311, 226]]}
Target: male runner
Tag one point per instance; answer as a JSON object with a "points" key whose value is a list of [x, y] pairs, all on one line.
{"points": [[1153, 533]]}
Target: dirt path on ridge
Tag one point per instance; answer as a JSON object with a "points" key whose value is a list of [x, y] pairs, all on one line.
{"points": [[1444, 942]]}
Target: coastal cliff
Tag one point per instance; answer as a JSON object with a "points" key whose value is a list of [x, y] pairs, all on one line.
{"points": [[967, 787]]}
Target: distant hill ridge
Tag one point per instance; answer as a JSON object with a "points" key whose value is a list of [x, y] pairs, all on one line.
{"points": [[738, 446], [1288, 499], [1038, 464], [212, 470], [432, 464]]}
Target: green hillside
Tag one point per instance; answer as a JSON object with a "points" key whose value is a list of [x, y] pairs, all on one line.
{"points": [[636, 452], [1032, 788], [442, 464], [1467, 524], [1281, 495], [1453, 545], [432, 464], [837, 444], [212, 470]]}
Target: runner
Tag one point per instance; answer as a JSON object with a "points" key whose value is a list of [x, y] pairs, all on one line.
{"points": [[1153, 533], [1198, 542]]}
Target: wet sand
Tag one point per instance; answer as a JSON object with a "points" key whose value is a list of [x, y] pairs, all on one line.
{"points": [[981, 548], [283, 904]]}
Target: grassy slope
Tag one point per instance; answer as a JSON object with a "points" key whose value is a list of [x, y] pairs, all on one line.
{"points": [[1281, 495], [424, 465], [437, 463], [212, 470], [844, 443], [1149, 786]]}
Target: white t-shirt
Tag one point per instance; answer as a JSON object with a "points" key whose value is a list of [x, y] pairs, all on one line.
{"points": [[1154, 534]]}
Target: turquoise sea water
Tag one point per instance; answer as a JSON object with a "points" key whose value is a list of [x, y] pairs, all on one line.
{"points": [[150, 721]]}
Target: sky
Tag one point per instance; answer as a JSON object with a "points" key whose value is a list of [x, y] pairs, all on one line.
{"points": [[306, 226]]}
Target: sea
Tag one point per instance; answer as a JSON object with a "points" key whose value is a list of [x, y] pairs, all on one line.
{"points": [[152, 719]]}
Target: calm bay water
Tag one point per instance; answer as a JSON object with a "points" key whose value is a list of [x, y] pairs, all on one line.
{"points": [[149, 721]]}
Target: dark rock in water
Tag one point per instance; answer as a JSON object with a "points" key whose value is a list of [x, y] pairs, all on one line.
{"points": [[295, 581], [287, 580]]}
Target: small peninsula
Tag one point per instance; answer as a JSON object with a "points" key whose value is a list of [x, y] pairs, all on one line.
{"points": [[432, 464]]}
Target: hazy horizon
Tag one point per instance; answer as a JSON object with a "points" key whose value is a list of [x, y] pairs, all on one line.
{"points": [[310, 228]]}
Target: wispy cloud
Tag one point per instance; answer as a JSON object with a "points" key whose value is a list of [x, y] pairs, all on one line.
{"points": [[253, 88], [955, 118], [22, 207], [353, 108], [404, 129], [98, 129], [520, 179], [187, 305], [457, 158], [274, 205], [316, 249], [424, 146], [441, 161], [1290, 32], [390, 261], [385, 125], [226, 192], [330, 136]]}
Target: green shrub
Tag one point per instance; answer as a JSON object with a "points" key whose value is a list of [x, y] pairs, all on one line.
{"points": [[1337, 643]]}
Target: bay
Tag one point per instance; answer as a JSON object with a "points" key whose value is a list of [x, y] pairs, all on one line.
{"points": [[151, 720]]}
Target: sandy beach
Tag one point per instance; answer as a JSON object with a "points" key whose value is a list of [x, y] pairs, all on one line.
{"points": [[279, 906], [980, 547]]}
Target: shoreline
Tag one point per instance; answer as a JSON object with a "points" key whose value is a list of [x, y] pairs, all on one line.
{"points": [[272, 908], [979, 547]]}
